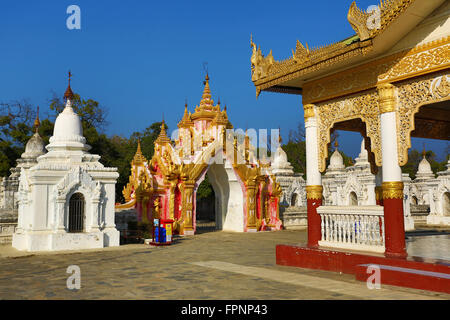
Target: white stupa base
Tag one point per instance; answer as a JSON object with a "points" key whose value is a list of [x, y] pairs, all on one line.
{"points": [[438, 220], [61, 241], [409, 223]]}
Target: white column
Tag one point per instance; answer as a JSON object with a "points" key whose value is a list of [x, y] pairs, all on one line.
{"points": [[391, 171], [313, 176]]}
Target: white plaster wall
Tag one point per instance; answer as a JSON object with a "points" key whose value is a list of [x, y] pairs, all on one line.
{"points": [[434, 27]]}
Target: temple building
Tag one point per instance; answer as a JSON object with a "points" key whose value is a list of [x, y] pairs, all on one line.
{"points": [[247, 192], [9, 186], [388, 81], [66, 200]]}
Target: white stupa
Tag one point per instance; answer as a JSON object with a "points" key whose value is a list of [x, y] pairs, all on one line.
{"points": [[280, 164], [66, 201], [336, 165], [424, 171]]}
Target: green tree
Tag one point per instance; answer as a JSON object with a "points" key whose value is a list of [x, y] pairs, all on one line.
{"points": [[16, 121]]}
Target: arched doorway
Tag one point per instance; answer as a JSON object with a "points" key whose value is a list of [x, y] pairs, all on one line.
{"points": [[353, 199], [294, 200], [205, 207], [76, 213], [228, 197], [446, 204]]}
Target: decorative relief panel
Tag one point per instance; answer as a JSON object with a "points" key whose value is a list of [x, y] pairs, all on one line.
{"points": [[430, 57], [412, 95], [363, 106]]}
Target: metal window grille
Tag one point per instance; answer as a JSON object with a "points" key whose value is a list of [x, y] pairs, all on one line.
{"points": [[76, 213]]}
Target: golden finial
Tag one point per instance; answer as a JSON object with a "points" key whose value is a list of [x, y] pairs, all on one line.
{"points": [[336, 144], [68, 95], [279, 136], [163, 138], [37, 123]]}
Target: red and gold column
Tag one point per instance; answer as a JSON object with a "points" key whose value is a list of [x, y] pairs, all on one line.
{"points": [[314, 187], [394, 224], [392, 185], [313, 200]]}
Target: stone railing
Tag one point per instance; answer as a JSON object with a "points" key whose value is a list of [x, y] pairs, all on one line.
{"points": [[352, 227]]}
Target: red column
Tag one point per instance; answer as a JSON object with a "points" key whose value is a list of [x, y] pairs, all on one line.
{"points": [[394, 224], [314, 200], [314, 221]]}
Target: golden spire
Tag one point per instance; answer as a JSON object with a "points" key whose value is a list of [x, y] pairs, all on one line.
{"points": [[186, 121], [37, 123], [163, 138], [336, 144], [206, 96], [280, 140], [68, 95], [138, 157]]}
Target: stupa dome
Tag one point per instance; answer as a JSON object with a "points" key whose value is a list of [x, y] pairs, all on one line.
{"points": [[68, 125], [336, 161], [424, 166], [35, 147], [280, 158]]}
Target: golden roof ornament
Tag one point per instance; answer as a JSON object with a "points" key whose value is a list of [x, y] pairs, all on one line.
{"points": [[163, 138], [186, 121], [37, 123], [68, 95], [206, 110], [138, 158]]}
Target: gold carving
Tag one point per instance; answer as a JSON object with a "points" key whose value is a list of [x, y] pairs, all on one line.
{"points": [[378, 193], [430, 57], [386, 92], [392, 190], [309, 111], [443, 89], [364, 107], [260, 65], [314, 192], [419, 61], [412, 95], [368, 25]]}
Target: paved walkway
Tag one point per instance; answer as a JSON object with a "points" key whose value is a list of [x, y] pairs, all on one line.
{"points": [[214, 265]]}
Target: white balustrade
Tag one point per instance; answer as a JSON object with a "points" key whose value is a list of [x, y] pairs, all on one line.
{"points": [[352, 227]]}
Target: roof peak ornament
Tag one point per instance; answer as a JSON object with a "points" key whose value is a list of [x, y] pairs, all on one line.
{"points": [[37, 122], [68, 95], [163, 138]]}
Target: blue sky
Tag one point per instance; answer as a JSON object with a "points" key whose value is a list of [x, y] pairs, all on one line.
{"points": [[143, 59]]}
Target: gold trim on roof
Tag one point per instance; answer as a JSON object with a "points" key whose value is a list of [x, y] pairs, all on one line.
{"points": [[429, 57], [368, 25], [268, 73]]}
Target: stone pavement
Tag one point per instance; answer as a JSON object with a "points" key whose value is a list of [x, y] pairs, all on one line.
{"points": [[215, 265]]}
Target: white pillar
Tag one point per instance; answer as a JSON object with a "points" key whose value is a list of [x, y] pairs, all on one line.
{"points": [[313, 176], [391, 171]]}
